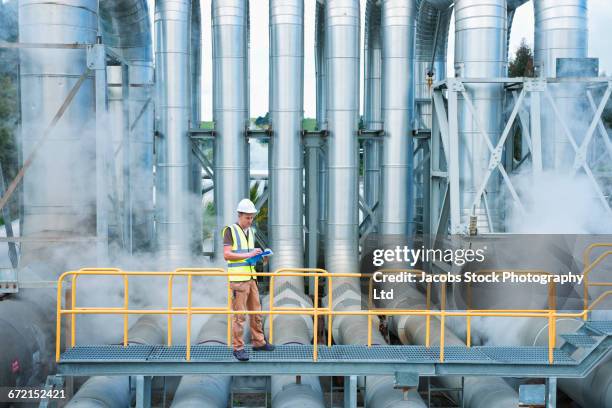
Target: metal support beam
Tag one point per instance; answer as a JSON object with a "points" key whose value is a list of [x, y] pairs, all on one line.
{"points": [[8, 226], [350, 391], [572, 141], [551, 394], [127, 196], [600, 125], [312, 144], [581, 153], [143, 391], [96, 60], [536, 132], [453, 162]]}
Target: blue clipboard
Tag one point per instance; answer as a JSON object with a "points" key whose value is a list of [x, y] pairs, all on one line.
{"points": [[254, 259]]}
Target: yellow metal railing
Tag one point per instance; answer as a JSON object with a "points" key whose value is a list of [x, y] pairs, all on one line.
{"points": [[588, 268], [317, 274]]}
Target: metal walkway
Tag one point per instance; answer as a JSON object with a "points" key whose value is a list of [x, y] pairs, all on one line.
{"points": [[575, 358]]}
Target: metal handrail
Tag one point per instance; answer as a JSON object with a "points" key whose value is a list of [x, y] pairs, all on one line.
{"points": [[551, 314], [588, 268]]}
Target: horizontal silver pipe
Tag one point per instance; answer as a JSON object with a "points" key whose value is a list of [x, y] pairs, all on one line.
{"points": [[205, 391], [114, 391]]}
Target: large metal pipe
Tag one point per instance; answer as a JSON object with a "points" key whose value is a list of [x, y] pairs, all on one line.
{"points": [[342, 44], [285, 200], [398, 36], [286, 112], [175, 212], [341, 31], [126, 28], [205, 391], [27, 346], [372, 110], [114, 391], [482, 22], [230, 108], [47, 75], [478, 392], [560, 32]]}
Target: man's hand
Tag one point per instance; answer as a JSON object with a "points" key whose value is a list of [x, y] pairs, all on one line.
{"points": [[255, 252]]}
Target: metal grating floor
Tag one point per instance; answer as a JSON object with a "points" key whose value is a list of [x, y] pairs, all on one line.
{"points": [[580, 340], [603, 326], [303, 353]]}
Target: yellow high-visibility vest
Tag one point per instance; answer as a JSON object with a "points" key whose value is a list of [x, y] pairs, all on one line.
{"points": [[240, 244]]}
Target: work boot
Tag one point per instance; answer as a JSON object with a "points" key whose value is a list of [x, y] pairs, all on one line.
{"points": [[265, 347], [241, 355]]}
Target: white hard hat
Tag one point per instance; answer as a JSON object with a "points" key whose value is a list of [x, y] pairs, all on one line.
{"points": [[246, 206]]}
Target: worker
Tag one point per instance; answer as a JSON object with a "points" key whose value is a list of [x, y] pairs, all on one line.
{"points": [[239, 245]]}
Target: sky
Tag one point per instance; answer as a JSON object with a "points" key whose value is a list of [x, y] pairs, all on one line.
{"points": [[600, 30]]}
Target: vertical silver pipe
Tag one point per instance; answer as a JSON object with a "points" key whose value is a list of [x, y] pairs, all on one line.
{"points": [[560, 32], [342, 43], [195, 197], [398, 31], [230, 108], [126, 28], [482, 22], [65, 208], [173, 82], [372, 112], [285, 200], [432, 27], [286, 112], [321, 75]]}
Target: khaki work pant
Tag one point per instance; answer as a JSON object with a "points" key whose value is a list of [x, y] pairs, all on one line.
{"points": [[245, 296]]}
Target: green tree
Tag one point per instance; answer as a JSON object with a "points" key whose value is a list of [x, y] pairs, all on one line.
{"points": [[522, 63], [9, 100]]}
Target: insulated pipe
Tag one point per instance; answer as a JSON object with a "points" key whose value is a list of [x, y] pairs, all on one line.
{"points": [[195, 196], [342, 45], [126, 28], [482, 22], [479, 392], [293, 330], [285, 201], [114, 391], [560, 32], [341, 31], [46, 77], [398, 31], [321, 75], [205, 391], [175, 232], [286, 112], [27, 347], [230, 108], [372, 103]]}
